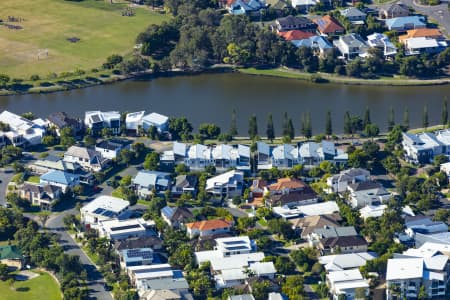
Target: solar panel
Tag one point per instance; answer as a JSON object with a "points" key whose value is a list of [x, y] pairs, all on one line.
{"points": [[125, 227], [99, 211]]}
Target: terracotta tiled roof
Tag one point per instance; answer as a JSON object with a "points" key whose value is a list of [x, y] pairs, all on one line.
{"points": [[209, 224], [293, 35], [287, 183], [421, 32], [328, 24]]}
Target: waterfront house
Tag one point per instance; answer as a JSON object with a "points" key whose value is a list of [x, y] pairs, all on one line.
{"points": [[319, 45], [184, 184], [406, 23], [421, 45], [344, 284], [87, 158], [43, 195], [111, 149], [354, 15], [103, 208], [133, 121], [60, 179], [241, 7], [290, 192], [433, 33], [422, 147], [176, 217], [161, 122], [226, 185], [208, 228], [147, 182], [263, 158], [60, 120], [351, 45], [284, 156], [382, 42], [115, 229], [328, 25], [295, 23], [367, 193], [97, 120], [394, 10], [22, 132], [338, 183]]}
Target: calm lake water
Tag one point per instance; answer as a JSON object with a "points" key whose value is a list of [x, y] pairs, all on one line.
{"points": [[212, 97]]}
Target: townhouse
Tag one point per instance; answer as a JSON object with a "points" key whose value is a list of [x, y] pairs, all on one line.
{"points": [[226, 185], [422, 147]]}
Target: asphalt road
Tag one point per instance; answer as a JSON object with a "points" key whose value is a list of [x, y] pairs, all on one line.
{"points": [[95, 278], [5, 176]]}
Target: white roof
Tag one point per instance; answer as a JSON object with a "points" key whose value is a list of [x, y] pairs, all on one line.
{"points": [[263, 268], [233, 274], [156, 118], [341, 262], [113, 204], [243, 150], [179, 148], [437, 262], [223, 179], [123, 226], [224, 244], [404, 268], [303, 3], [263, 148], [204, 256], [444, 248], [275, 296], [317, 209], [222, 151], [109, 115], [346, 275], [285, 151], [199, 151], [134, 116], [340, 287], [235, 261], [421, 42]]}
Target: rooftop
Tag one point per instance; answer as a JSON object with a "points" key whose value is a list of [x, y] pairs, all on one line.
{"points": [[106, 205], [209, 224], [59, 177], [404, 268]]}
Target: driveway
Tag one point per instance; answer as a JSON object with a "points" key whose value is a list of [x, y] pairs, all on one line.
{"points": [[95, 282], [5, 176]]}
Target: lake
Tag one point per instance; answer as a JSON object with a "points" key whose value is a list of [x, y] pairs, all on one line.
{"points": [[212, 98]]}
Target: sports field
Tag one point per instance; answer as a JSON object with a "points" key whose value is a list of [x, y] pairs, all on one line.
{"points": [[41, 46]]}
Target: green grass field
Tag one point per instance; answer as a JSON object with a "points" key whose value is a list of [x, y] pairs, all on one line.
{"points": [[41, 287], [47, 24]]}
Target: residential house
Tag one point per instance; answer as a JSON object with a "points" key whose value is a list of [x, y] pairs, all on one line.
{"points": [[319, 45], [382, 42], [406, 23], [312, 153], [325, 232], [354, 15], [341, 262], [185, 184], [303, 5], [290, 192], [420, 45], [103, 208], [199, 156], [295, 35], [133, 121], [376, 211], [11, 256], [115, 229], [22, 132], [208, 228], [241, 7], [305, 226], [241, 297], [338, 183], [231, 259], [346, 283], [263, 156], [445, 167], [147, 182], [157, 277], [298, 212], [284, 156], [423, 229], [433, 33], [425, 267], [111, 149], [97, 120], [226, 157], [295, 23], [328, 25], [226, 185], [60, 120], [278, 5], [161, 122], [152, 242], [51, 163], [135, 257], [367, 193], [176, 217], [160, 295], [351, 45], [44, 196], [421, 148], [63, 180], [88, 159], [343, 244], [394, 10]]}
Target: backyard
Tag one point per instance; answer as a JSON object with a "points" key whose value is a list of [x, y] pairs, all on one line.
{"points": [[53, 36], [41, 287]]}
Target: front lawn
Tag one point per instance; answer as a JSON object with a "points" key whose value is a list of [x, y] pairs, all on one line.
{"points": [[41, 287]]}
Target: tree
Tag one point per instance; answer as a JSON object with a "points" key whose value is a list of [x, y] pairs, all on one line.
{"points": [[284, 266], [270, 131], [292, 287], [112, 61], [89, 140], [126, 156], [290, 129], [285, 124], [307, 125], [209, 130], [253, 127], [4, 79], [371, 130], [406, 120], [49, 140], [67, 138], [328, 124], [180, 128], [4, 271], [425, 117], [366, 120], [29, 116], [138, 148], [233, 127], [43, 217], [151, 161], [442, 215], [391, 119], [444, 116], [360, 294], [347, 123]]}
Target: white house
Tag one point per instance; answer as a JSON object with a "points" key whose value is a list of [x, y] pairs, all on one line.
{"points": [[157, 277], [136, 257], [227, 185], [97, 120], [340, 262], [159, 121], [351, 45], [338, 183], [420, 45], [208, 227], [133, 121], [145, 182], [88, 159], [103, 208], [60, 179], [316, 209], [115, 229], [421, 148], [381, 41], [347, 282], [22, 131], [367, 193], [111, 149]]}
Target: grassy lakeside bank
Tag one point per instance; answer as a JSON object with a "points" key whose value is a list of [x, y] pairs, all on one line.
{"points": [[41, 46], [41, 287], [293, 74]]}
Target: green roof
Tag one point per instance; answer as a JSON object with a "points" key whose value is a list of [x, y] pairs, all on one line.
{"points": [[10, 252]]}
